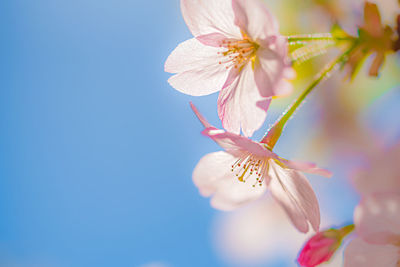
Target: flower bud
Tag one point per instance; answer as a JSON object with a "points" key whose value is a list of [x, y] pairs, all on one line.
{"points": [[322, 246]]}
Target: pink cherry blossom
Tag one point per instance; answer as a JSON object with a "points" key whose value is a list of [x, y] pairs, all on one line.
{"points": [[322, 246], [246, 169], [377, 220], [237, 50]]}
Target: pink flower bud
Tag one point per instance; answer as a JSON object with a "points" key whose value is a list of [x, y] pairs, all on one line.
{"points": [[322, 245]]}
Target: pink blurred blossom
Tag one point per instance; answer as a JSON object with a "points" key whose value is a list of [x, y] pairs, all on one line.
{"points": [[259, 233], [377, 220], [255, 234], [382, 175], [243, 172], [237, 50]]}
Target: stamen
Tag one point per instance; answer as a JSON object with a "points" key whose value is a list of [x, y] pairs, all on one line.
{"points": [[249, 167], [237, 53]]}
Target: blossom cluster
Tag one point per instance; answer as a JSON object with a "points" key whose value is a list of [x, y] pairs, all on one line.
{"points": [[238, 51]]}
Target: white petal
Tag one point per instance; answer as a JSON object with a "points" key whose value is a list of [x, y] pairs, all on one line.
{"points": [[293, 191], [199, 72], [210, 170], [205, 17], [232, 194], [214, 177]]}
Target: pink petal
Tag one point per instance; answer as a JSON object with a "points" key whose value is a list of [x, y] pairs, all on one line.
{"points": [[205, 17], [305, 167], [213, 177], [200, 117], [198, 70], [232, 76], [237, 144], [210, 170], [233, 143], [362, 254], [211, 39], [377, 218], [237, 104], [254, 19], [293, 192], [270, 71]]}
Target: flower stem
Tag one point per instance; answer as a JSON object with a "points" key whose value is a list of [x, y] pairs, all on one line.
{"points": [[302, 39], [275, 131], [346, 230], [311, 50]]}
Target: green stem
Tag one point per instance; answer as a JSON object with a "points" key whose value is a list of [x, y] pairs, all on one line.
{"points": [[346, 230], [275, 132], [301, 38], [309, 51]]}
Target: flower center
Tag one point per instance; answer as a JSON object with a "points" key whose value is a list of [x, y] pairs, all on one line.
{"points": [[250, 167], [237, 52]]}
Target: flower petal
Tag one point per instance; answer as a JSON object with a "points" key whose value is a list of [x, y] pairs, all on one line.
{"points": [[213, 177], [237, 104], [306, 167], [198, 68], [253, 17], [377, 218], [233, 143], [212, 39], [294, 193], [359, 253], [236, 144], [210, 170], [270, 71], [232, 194], [205, 17], [200, 117]]}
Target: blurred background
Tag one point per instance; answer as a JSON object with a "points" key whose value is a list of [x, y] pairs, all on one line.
{"points": [[97, 150]]}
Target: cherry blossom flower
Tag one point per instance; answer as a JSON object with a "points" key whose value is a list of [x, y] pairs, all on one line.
{"points": [[377, 220], [243, 172], [237, 50], [321, 247]]}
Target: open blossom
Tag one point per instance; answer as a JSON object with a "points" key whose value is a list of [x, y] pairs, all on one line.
{"points": [[321, 247], [377, 220], [237, 50], [244, 171]]}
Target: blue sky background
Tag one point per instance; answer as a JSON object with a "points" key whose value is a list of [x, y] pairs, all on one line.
{"points": [[96, 149]]}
